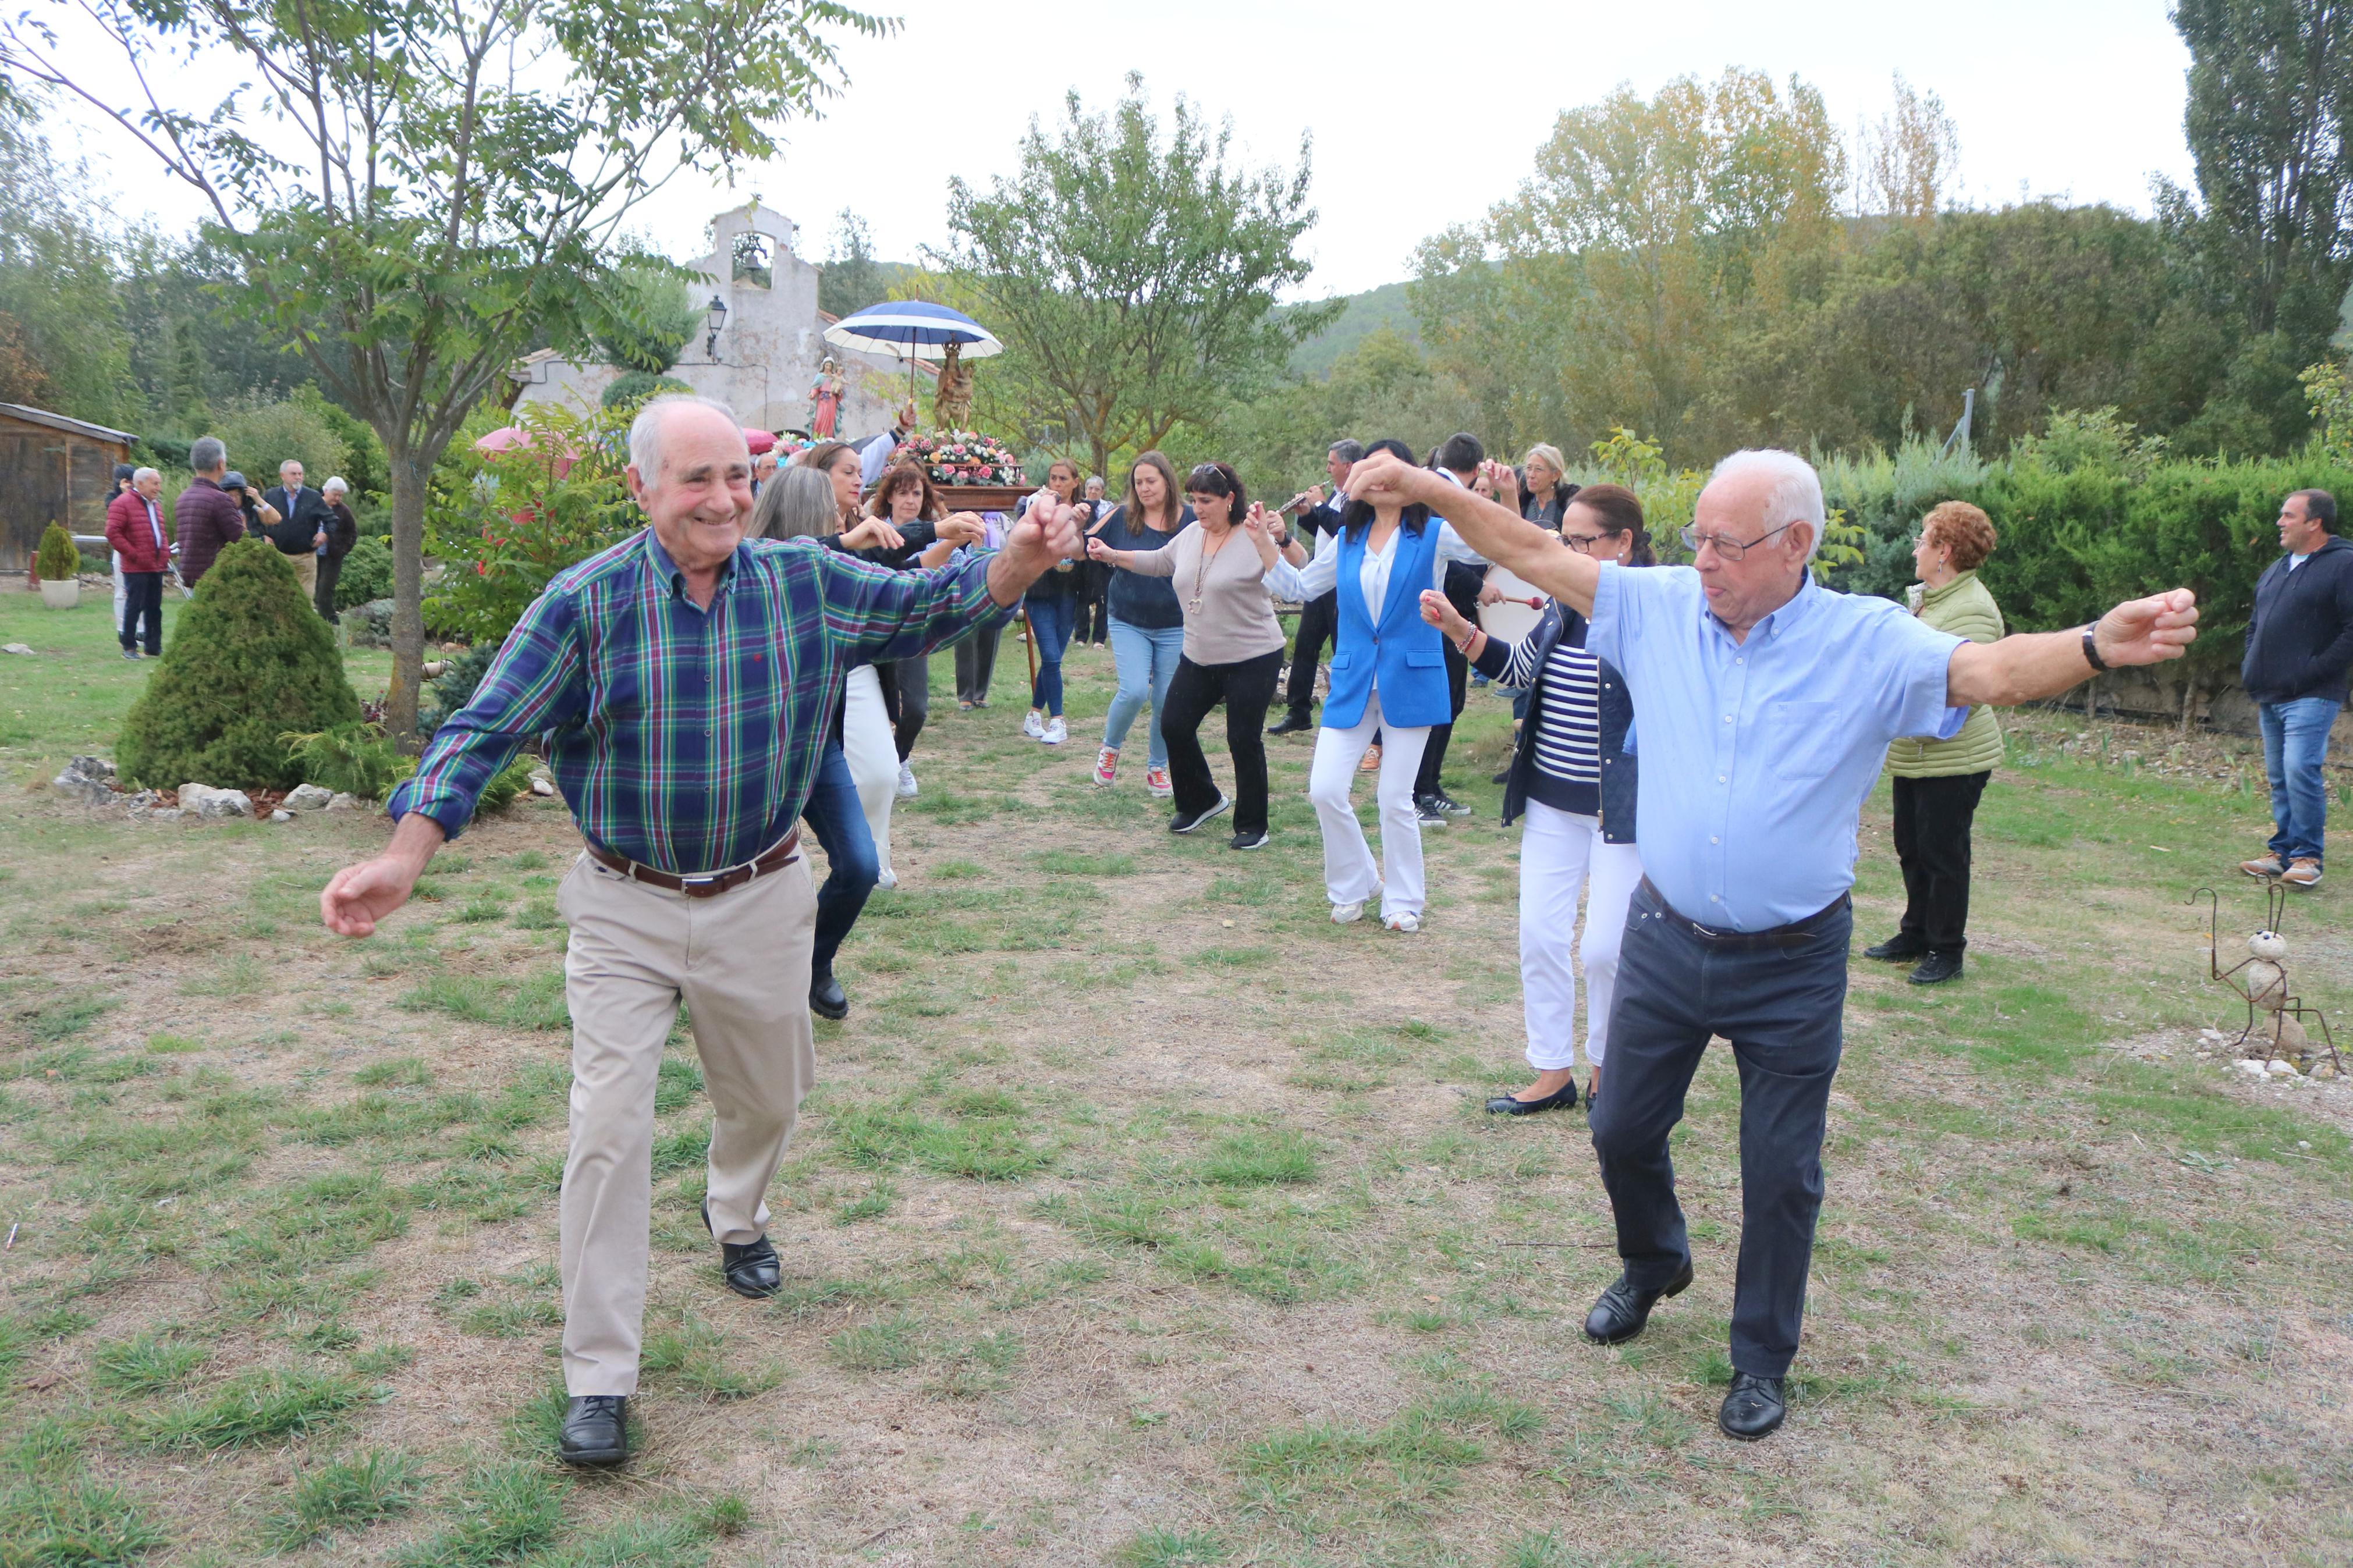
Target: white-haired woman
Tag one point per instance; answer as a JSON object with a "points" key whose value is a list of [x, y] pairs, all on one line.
{"points": [[342, 531], [1536, 488]]}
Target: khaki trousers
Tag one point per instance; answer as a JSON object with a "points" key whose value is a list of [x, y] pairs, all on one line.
{"points": [[306, 572], [740, 962]]}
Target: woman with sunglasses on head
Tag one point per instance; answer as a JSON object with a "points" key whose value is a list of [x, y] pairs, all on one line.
{"points": [[1232, 647], [1573, 775], [1147, 629], [1388, 679]]}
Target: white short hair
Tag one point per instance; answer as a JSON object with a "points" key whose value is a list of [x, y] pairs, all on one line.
{"points": [[1794, 494], [145, 474], [336, 486], [645, 430], [289, 463]]}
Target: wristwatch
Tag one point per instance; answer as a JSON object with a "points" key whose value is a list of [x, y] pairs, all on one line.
{"points": [[2092, 648]]}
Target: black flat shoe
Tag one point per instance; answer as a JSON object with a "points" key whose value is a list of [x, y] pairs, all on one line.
{"points": [[750, 1270], [1754, 1407], [1254, 839], [1622, 1311], [1181, 823], [1289, 724], [1938, 968], [827, 998], [1900, 948], [1512, 1105], [596, 1431]]}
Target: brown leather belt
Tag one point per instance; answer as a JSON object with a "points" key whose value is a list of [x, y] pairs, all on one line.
{"points": [[707, 884]]}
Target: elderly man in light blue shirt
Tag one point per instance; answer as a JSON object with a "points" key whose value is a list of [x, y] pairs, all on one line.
{"points": [[1766, 704]]}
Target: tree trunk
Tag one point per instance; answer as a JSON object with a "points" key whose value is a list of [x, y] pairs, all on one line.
{"points": [[410, 472]]}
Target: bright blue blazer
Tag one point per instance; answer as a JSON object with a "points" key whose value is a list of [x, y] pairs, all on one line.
{"points": [[1402, 652]]}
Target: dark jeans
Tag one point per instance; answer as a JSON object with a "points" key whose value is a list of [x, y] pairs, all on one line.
{"points": [[330, 568], [1932, 843], [1318, 624], [1093, 623], [1247, 688], [907, 698], [142, 611], [1433, 751], [833, 814], [975, 662], [1050, 634], [1778, 998]]}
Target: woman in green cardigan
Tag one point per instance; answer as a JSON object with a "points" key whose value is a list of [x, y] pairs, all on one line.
{"points": [[1937, 782]]}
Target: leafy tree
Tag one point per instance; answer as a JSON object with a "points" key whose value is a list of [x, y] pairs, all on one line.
{"points": [[2270, 126], [634, 386], [1909, 158], [423, 211], [62, 340], [249, 660], [1133, 274], [644, 317], [259, 439], [1382, 386], [184, 402], [850, 279]]}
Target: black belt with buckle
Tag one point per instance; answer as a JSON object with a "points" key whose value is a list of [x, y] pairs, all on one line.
{"points": [[1796, 933], [707, 884]]}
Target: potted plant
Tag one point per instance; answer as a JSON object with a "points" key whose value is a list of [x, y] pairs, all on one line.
{"points": [[59, 567]]}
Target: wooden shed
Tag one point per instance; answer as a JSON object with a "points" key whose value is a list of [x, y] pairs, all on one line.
{"points": [[52, 469]]}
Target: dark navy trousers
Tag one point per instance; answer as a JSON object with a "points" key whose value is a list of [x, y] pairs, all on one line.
{"points": [[834, 815], [1779, 998]]}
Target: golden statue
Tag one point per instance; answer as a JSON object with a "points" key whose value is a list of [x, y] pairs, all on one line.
{"points": [[951, 397]]}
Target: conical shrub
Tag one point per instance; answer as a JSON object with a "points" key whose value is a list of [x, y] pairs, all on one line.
{"points": [[250, 661]]}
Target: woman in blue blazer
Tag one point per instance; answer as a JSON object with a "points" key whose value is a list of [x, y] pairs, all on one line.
{"points": [[1388, 679]]}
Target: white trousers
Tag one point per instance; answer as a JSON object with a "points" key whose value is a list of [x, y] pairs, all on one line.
{"points": [[873, 754], [1350, 873], [1561, 856]]}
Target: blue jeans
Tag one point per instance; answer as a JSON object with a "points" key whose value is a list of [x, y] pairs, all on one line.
{"points": [[1147, 658], [2295, 742], [1050, 634], [834, 815]]}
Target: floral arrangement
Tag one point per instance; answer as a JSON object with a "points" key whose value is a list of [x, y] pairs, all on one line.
{"points": [[962, 457]]}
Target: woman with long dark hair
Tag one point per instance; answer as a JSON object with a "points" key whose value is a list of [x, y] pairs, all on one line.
{"points": [[1575, 778], [1232, 647], [1388, 679], [1147, 629]]}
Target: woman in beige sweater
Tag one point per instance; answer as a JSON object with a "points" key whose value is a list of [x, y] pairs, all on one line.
{"points": [[1937, 782], [1233, 648]]}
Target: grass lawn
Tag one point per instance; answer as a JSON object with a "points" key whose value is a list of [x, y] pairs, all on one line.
{"points": [[1141, 1215]]}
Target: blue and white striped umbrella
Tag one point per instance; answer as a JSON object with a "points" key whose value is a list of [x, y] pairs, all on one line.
{"points": [[913, 330]]}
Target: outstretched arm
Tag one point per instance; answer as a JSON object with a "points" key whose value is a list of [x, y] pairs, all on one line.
{"points": [[2028, 666], [1498, 533]]}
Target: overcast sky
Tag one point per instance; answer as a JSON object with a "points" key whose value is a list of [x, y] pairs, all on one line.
{"points": [[1422, 114]]}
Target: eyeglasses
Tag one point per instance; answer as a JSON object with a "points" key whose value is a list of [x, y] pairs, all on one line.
{"points": [[1583, 543], [1729, 548]]}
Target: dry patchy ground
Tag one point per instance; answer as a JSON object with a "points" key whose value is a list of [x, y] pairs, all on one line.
{"points": [[1145, 1216]]}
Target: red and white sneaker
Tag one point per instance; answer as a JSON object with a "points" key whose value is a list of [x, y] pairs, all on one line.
{"points": [[1156, 781], [1107, 765]]}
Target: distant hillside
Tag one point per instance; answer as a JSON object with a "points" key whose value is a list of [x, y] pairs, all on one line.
{"points": [[1366, 313]]}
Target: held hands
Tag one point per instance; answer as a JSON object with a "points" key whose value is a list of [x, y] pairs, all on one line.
{"points": [[1443, 616], [870, 532], [964, 528], [2150, 630], [1384, 478], [1098, 551], [1047, 532]]}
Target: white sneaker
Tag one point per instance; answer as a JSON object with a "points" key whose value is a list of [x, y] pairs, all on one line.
{"points": [[1056, 732], [906, 782], [1034, 726], [886, 878], [1404, 920], [1348, 913]]}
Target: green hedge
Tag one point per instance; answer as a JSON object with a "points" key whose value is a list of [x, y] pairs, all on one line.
{"points": [[2077, 540]]}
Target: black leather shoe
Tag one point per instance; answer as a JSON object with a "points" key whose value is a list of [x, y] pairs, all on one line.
{"points": [[750, 1270], [1936, 968], [596, 1431], [1901, 948], [1622, 1311], [1289, 724], [1512, 1105], [827, 998], [1754, 1407]]}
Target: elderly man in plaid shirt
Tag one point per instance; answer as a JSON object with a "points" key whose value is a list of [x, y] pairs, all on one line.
{"points": [[683, 682]]}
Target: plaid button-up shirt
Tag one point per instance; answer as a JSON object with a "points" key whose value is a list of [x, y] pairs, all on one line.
{"points": [[682, 738]]}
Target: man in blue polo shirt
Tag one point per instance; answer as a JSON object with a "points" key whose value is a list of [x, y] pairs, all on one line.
{"points": [[1765, 705]]}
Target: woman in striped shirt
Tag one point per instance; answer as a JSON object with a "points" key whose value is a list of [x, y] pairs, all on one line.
{"points": [[1573, 775]]}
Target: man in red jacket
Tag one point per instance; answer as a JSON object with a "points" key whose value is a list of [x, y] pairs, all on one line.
{"points": [[135, 528], [206, 517]]}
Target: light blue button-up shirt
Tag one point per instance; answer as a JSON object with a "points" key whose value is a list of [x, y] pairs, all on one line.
{"points": [[1757, 756]]}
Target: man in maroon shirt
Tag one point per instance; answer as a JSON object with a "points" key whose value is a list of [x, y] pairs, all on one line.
{"points": [[204, 517], [135, 528]]}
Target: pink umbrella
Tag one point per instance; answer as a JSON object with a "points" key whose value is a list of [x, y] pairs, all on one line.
{"points": [[506, 437], [759, 440]]}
